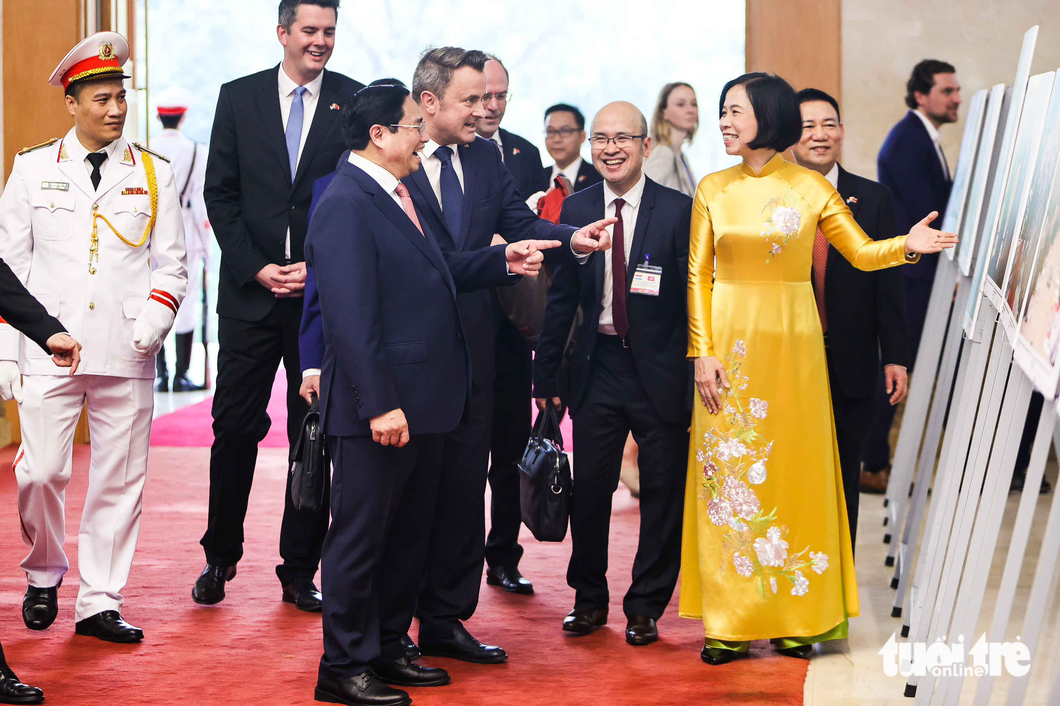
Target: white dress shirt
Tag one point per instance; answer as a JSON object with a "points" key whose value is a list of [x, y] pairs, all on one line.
{"points": [[496, 139], [933, 133], [310, 99], [833, 176], [76, 146], [629, 226], [432, 167], [571, 172]]}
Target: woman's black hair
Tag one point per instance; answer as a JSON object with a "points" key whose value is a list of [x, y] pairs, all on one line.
{"points": [[776, 109]]}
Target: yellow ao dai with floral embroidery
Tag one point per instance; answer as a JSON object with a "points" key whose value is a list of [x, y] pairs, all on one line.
{"points": [[766, 544]]}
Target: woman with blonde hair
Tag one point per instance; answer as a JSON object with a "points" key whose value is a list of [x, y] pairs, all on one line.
{"points": [[673, 124]]}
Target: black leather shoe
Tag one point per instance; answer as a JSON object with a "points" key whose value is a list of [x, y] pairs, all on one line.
{"points": [[183, 384], [305, 596], [109, 626], [799, 651], [210, 587], [508, 578], [715, 656], [581, 621], [13, 691], [641, 630], [161, 384], [411, 651], [361, 690], [405, 672], [460, 644], [40, 606]]}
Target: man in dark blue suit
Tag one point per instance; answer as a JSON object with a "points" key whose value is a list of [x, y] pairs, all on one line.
{"points": [[911, 163], [630, 373], [396, 377]]}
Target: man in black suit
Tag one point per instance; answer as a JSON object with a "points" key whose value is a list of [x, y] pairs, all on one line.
{"points": [[395, 377], [274, 133], [514, 360], [630, 373], [564, 137], [862, 313], [465, 195], [913, 166]]}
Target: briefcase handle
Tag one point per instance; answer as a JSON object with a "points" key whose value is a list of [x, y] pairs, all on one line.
{"points": [[546, 426]]}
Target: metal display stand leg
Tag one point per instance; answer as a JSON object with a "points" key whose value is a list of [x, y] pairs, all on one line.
{"points": [[1021, 533]]}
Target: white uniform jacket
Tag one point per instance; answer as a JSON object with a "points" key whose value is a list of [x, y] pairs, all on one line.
{"points": [[188, 160], [46, 220]]}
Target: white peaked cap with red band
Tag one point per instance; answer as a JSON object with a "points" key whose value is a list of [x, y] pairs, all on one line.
{"points": [[100, 56]]}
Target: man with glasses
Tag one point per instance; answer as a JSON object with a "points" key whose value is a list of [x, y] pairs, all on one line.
{"points": [[629, 373], [564, 137]]}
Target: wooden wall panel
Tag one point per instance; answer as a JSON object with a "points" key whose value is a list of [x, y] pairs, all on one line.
{"points": [[37, 35], [797, 39]]}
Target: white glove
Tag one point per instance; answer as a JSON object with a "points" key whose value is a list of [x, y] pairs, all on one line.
{"points": [[532, 201], [151, 328], [10, 381]]}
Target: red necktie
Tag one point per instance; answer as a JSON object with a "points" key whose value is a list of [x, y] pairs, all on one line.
{"points": [[820, 263], [406, 203], [618, 274]]}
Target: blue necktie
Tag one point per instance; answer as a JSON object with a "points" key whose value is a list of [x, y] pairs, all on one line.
{"points": [[294, 129], [452, 194]]}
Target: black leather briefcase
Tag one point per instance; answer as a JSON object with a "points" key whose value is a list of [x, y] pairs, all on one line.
{"points": [[310, 466], [545, 485]]}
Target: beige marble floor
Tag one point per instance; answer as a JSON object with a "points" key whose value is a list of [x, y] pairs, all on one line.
{"points": [[850, 672]]}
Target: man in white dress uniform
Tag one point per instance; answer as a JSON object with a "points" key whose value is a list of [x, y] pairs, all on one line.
{"points": [[188, 159], [91, 225]]}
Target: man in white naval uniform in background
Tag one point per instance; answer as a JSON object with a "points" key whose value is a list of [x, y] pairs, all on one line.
{"points": [[188, 159], [92, 226]]}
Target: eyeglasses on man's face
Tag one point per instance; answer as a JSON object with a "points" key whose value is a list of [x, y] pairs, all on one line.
{"points": [[503, 97], [601, 141], [420, 127], [563, 132]]}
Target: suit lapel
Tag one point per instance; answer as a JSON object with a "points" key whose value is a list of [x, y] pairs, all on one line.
{"points": [[601, 272], [271, 120], [323, 120], [120, 169], [506, 147], [421, 187], [468, 166], [640, 231], [76, 171]]}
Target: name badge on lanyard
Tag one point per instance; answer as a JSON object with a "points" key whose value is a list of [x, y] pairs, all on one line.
{"points": [[647, 279]]}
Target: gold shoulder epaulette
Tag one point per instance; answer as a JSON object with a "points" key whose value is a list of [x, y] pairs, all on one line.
{"points": [[140, 147], [26, 150]]}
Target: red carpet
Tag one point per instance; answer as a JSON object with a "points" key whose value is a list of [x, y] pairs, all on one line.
{"points": [[253, 649]]}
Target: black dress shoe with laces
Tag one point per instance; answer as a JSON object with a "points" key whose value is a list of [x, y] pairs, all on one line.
{"points": [[40, 606], [641, 630], [405, 672], [305, 596], [109, 626], [582, 621], [13, 691], [210, 586], [458, 643], [411, 651], [361, 690], [508, 578]]}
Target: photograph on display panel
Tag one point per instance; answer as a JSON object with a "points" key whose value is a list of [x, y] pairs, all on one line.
{"points": [[1024, 266], [1014, 200], [988, 232], [965, 164], [982, 176], [1015, 238]]}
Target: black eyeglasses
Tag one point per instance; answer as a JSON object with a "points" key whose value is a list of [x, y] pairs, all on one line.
{"points": [[561, 132], [601, 141]]}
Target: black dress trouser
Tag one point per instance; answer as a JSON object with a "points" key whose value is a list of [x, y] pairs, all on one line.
{"points": [[853, 418], [511, 429], [382, 505], [616, 404], [248, 357]]}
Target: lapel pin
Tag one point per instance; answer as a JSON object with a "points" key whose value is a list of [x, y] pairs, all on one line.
{"points": [[581, 178], [852, 199], [334, 106], [515, 151]]}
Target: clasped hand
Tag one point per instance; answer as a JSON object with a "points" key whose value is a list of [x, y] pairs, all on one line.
{"points": [[926, 240], [284, 281]]}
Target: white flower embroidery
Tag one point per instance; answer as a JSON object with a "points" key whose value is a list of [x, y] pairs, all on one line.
{"points": [[736, 524], [757, 474], [771, 549], [802, 585], [700, 456], [720, 511], [743, 565], [773, 583], [787, 220], [820, 562], [775, 249], [739, 348], [743, 500], [729, 409], [730, 449], [759, 408]]}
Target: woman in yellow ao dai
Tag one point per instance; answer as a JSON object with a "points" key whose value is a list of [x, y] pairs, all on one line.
{"points": [[766, 551]]}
